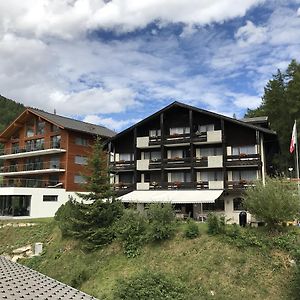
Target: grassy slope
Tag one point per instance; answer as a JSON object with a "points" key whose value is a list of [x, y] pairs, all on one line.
{"points": [[205, 264]]}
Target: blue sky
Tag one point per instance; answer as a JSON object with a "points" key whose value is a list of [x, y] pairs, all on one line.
{"points": [[115, 62]]}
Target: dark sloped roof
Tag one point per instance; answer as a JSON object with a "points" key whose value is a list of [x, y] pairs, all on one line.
{"points": [[255, 119], [179, 104], [73, 124], [19, 282]]}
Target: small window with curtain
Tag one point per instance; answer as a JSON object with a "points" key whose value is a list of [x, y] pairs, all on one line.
{"points": [[238, 204]]}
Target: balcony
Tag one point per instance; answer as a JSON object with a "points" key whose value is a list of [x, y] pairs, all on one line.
{"points": [[30, 183], [123, 165], [209, 137], [122, 188], [177, 163], [175, 139], [239, 185], [214, 161], [243, 160], [42, 149], [32, 168]]}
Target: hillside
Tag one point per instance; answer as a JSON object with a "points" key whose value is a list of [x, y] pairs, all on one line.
{"points": [[9, 110], [208, 266]]}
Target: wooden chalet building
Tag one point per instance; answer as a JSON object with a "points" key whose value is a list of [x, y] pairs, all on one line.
{"points": [[198, 160], [42, 162]]}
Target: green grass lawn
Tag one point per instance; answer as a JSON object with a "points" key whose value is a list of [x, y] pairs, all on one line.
{"points": [[210, 267]]}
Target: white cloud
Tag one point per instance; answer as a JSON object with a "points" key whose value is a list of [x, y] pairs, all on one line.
{"points": [[109, 122], [67, 19], [250, 34]]}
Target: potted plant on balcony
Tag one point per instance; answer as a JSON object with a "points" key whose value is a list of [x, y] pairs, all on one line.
{"points": [[243, 155]]}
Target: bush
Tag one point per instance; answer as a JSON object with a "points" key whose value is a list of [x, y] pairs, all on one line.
{"points": [[149, 285], [273, 203], [162, 221], [191, 230], [132, 228], [64, 216], [93, 224], [216, 224]]}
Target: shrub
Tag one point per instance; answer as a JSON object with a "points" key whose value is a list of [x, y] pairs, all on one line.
{"points": [[191, 230], [216, 224], [93, 223], [162, 221], [274, 202], [149, 285], [131, 230]]}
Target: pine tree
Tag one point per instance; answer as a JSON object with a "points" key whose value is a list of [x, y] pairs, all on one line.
{"points": [[281, 103], [93, 223]]}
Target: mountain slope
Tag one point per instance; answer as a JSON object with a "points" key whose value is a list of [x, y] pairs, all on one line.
{"points": [[9, 110]]}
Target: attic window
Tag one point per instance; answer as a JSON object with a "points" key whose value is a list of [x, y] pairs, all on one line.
{"points": [[54, 128], [40, 127], [30, 129]]}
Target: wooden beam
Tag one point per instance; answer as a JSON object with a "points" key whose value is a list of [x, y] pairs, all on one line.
{"points": [[17, 124], [3, 140]]}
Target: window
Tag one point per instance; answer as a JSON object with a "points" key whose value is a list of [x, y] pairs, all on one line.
{"points": [[211, 176], [29, 145], [175, 153], [217, 206], [248, 175], [154, 155], [210, 151], [15, 148], [81, 141], [54, 162], [238, 204], [79, 179], [237, 150], [40, 127], [39, 144], [54, 128], [179, 130], [154, 132], [29, 128], [50, 198], [125, 178], [207, 127], [180, 177], [80, 160], [126, 157], [55, 141]]}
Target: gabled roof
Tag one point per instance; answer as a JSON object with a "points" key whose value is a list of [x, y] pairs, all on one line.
{"points": [[20, 282], [209, 113], [62, 122]]}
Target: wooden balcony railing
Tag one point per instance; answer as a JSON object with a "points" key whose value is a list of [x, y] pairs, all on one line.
{"points": [[177, 138], [239, 185], [123, 165], [243, 160]]}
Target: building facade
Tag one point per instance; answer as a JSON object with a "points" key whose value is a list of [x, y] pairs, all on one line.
{"points": [[198, 160], [43, 161]]}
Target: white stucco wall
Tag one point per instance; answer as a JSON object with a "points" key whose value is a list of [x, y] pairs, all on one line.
{"points": [[38, 207]]}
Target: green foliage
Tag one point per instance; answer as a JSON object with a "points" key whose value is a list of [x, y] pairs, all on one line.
{"points": [[94, 223], [97, 175], [192, 229], [132, 230], [216, 224], [9, 111], [79, 277], [149, 285], [274, 202], [281, 103], [64, 216], [162, 221]]}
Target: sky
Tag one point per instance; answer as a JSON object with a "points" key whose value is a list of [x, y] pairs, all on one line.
{"points": [[114, 62]]}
